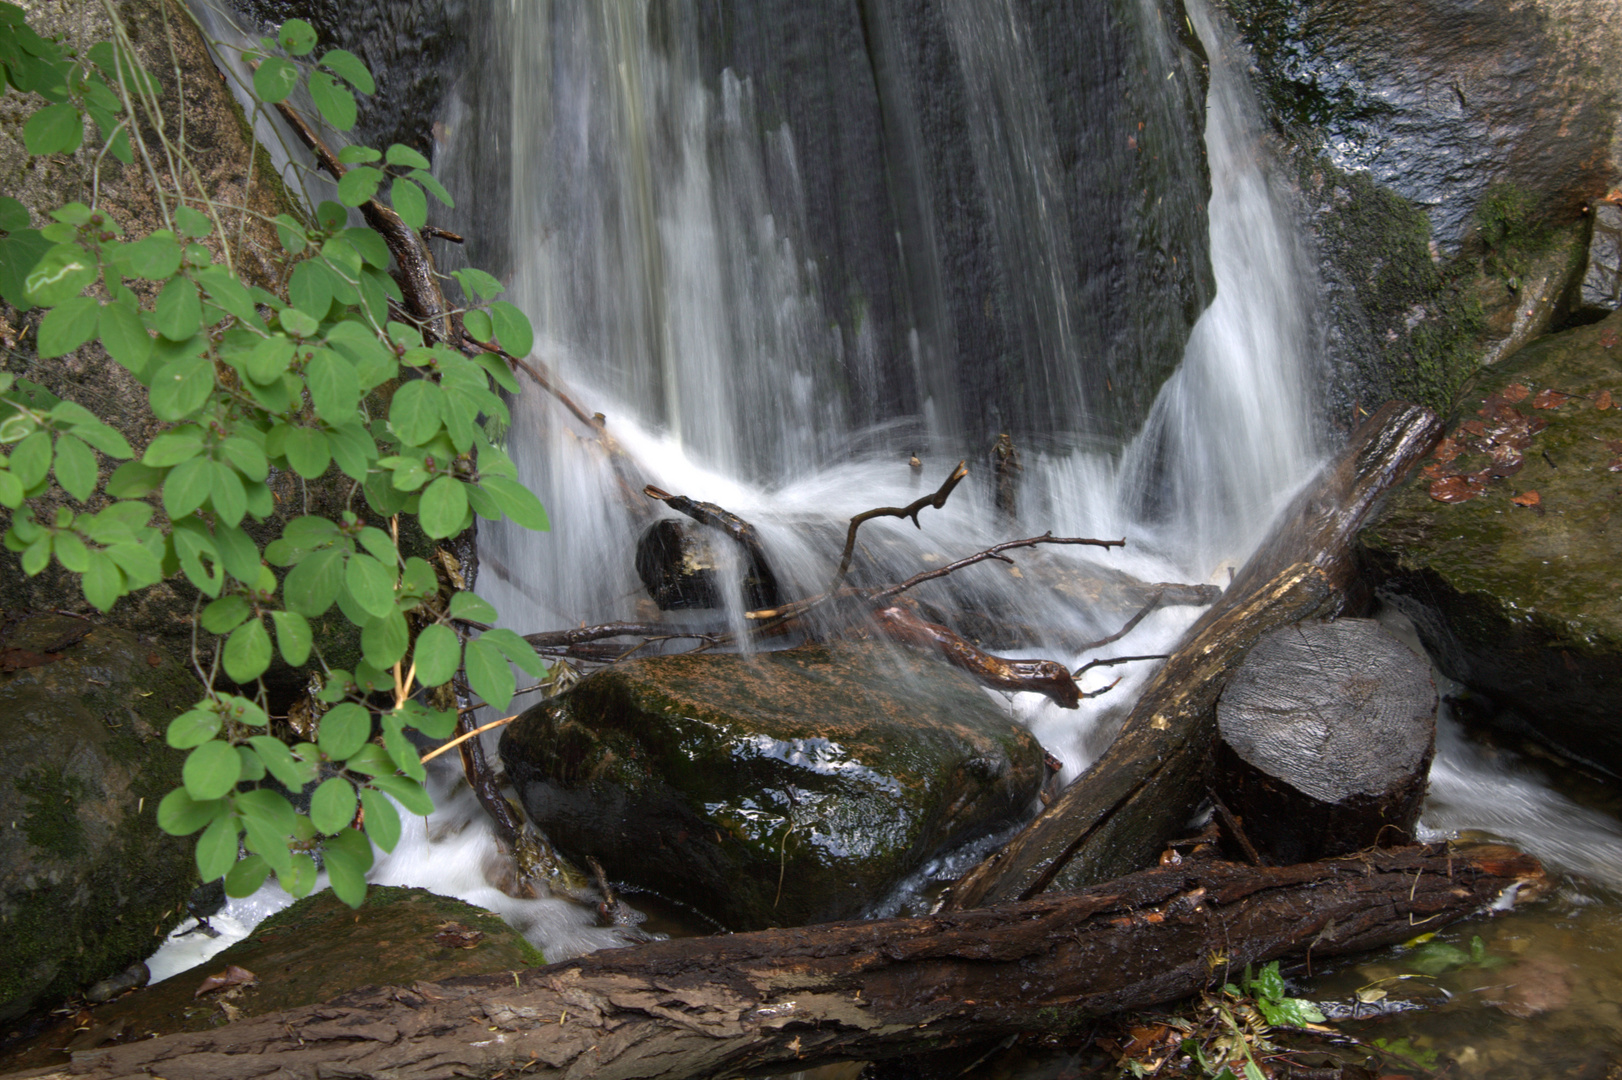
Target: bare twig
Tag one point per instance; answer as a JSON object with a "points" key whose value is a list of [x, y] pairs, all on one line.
{"points": [[466, 735], [1152, 603], [911, 510], [994, 552], [1112, 661]]}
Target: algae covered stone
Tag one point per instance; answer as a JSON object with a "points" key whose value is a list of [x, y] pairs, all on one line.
{"points": [[1517, 592], [772, 790], [86, 875]]}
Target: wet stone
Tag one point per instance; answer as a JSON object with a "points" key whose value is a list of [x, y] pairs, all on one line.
{"points": [[1513, 588], [1602, 281], [777, 790]]}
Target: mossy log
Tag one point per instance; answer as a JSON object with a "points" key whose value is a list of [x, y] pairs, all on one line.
{"points": [[790, 999], [1116, 817]]}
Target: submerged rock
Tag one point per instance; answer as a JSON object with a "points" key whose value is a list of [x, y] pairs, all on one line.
{"points": [[1512, 584], [85, 873], [776, 790]]}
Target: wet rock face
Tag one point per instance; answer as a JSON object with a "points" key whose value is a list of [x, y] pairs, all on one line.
{"points": [[1602, 277], [85, 873], [309, 953], [1518, 599], [779, 790], [1438, 100]]}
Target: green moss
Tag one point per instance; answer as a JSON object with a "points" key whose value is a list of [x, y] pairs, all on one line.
{"points": [[52, 825]]}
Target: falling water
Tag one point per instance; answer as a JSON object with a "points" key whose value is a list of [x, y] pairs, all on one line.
{"points": [[658, 238]]}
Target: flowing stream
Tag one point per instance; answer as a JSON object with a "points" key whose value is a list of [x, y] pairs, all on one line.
{"points": [[659, 234]]}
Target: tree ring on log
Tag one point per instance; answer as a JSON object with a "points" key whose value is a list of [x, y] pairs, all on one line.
{"points": [[1327, 733]]}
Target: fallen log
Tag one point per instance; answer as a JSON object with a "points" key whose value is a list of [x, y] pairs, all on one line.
{"points": [[858, 990], [1046, 677], [1119, 814]]}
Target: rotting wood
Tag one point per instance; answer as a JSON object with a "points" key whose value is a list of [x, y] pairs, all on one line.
{"points": [[1116, 816], [763, 586], [790, 999]]}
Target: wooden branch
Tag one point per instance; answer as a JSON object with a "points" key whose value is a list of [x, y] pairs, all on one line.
{"points": [[994, 552], [1045, 677], [425, 301], [779, 1000], [1149, 782], [1131, 624], [1117, 815], [911, 510]]}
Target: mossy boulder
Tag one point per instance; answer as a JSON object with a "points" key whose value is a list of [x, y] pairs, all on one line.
{"points": [[312, 952], [1519, 600], [776, 790], [86, 876]]}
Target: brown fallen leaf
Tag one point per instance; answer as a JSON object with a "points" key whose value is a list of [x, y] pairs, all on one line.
{"points": [[1447, 450], [454, 935], [1527, 498], [18, 659], [1474, 427], [1603, 401], [231, 976], [1456, 489], [1608, 339], [1435, 470], [1515, 392], [1550, 399], [1539, 985]]}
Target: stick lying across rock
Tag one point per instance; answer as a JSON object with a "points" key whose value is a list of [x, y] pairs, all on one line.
{"points": [[794, 998]]}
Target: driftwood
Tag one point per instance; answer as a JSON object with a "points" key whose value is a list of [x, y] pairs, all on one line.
{"points": [[911, 510], [1046, 677], [789, 999], [1118, 814], [1325, 738]]}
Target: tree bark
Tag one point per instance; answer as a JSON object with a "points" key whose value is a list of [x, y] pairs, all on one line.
{"points": [[842, 991], [1118, 814]]}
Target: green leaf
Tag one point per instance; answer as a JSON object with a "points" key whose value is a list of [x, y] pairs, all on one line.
{"points": [[438, 654], [124, 336], [402, 156], [344, 729], [292, 636], [181, 815], [192, 546], [355, 154], [193, 223], [181, 386], [371, 584], [409, 202], [270, 357], [350, 68], [229, 293], [348, 857], [68, 325], [333, 99], [382, 819], [193, 727], [13, 215], [211, 770], [478, 325], [217, 847], [332, 807], [274, 80], [133, 480], [226, 493], [478, 285], [443, 509], [247, 652], [291, 234], [156, 257], [333, 386], [512, 329], [371, 760], [11, 490], [473, 608], [296, 36], [31, 460], [383, 641], [372, 248], [408, 793], [226, 614], [61, 273], [308, 452], [402, 750], [1290, 1012], [246, 456], [488, 673], [55, 129], [516, 649], [187, 486], [103, 582], [70, 552], [291, 772], [359, 185], [310, 288], [75, 467], [245, 878], [517, 502], [19, 252], [238, 553], [352, 448], [415, 412], [313, 584], [435, 188]]}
